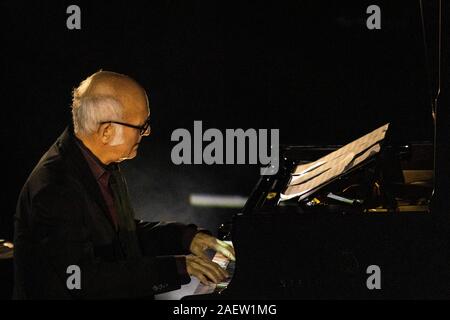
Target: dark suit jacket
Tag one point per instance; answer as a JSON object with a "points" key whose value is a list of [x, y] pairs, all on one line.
{"points": [[62, 220]]}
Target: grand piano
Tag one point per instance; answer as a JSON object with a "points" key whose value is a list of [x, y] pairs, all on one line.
{"points": [[326, 242], [389, 213]]}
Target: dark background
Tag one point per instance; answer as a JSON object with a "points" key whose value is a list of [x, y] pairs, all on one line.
{"points": [[309, 68]]}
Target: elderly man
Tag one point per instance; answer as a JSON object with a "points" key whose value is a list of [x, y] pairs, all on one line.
{"points": [[74, 212]]}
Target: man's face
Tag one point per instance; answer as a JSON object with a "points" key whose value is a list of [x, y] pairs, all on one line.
{"points": [[131, 137]]}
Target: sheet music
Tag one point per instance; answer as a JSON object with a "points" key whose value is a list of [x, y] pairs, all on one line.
{"points": [[308, 177]]}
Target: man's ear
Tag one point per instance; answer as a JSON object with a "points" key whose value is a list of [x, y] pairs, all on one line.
{"points": [[106, 132]]}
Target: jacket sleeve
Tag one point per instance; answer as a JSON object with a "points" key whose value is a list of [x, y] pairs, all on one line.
{"points": [[61, 239], [165, 238]]}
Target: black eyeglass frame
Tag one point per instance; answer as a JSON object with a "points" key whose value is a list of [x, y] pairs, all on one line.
{"points": [[142, 129]]}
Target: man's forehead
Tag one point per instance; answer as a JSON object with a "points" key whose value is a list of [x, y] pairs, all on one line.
{"points": [[137, 114], [131, 95]]}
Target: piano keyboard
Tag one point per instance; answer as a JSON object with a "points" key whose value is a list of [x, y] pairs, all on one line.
{"points": [[195, 287]]}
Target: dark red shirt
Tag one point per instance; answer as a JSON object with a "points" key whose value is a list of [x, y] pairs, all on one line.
{"points": [[101, 175]]}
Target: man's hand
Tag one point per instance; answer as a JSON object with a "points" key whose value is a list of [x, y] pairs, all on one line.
{"points": [[203, 241], [204, 269]]}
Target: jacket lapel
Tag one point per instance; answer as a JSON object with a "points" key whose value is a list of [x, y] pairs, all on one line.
{"points": [[81, 170]]}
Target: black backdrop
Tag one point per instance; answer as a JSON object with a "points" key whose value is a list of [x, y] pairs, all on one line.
{"points": [[309, 68]]}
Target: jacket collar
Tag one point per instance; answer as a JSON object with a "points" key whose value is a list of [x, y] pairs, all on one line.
{"points": [[77, 163]]}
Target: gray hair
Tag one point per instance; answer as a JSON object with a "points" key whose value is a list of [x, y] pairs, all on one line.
{"points": [[89, 112]]}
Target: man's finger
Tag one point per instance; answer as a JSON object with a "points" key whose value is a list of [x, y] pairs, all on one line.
{"points": [[217, 267], [208, 270], [225, 249], [197, 265], [226, 245], [221, 273]]}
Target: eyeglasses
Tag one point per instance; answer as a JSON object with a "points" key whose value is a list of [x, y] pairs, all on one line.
{"points": [[143, 130]]}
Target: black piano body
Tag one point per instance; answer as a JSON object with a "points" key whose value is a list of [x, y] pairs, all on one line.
{"points": [[320, 248]]}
